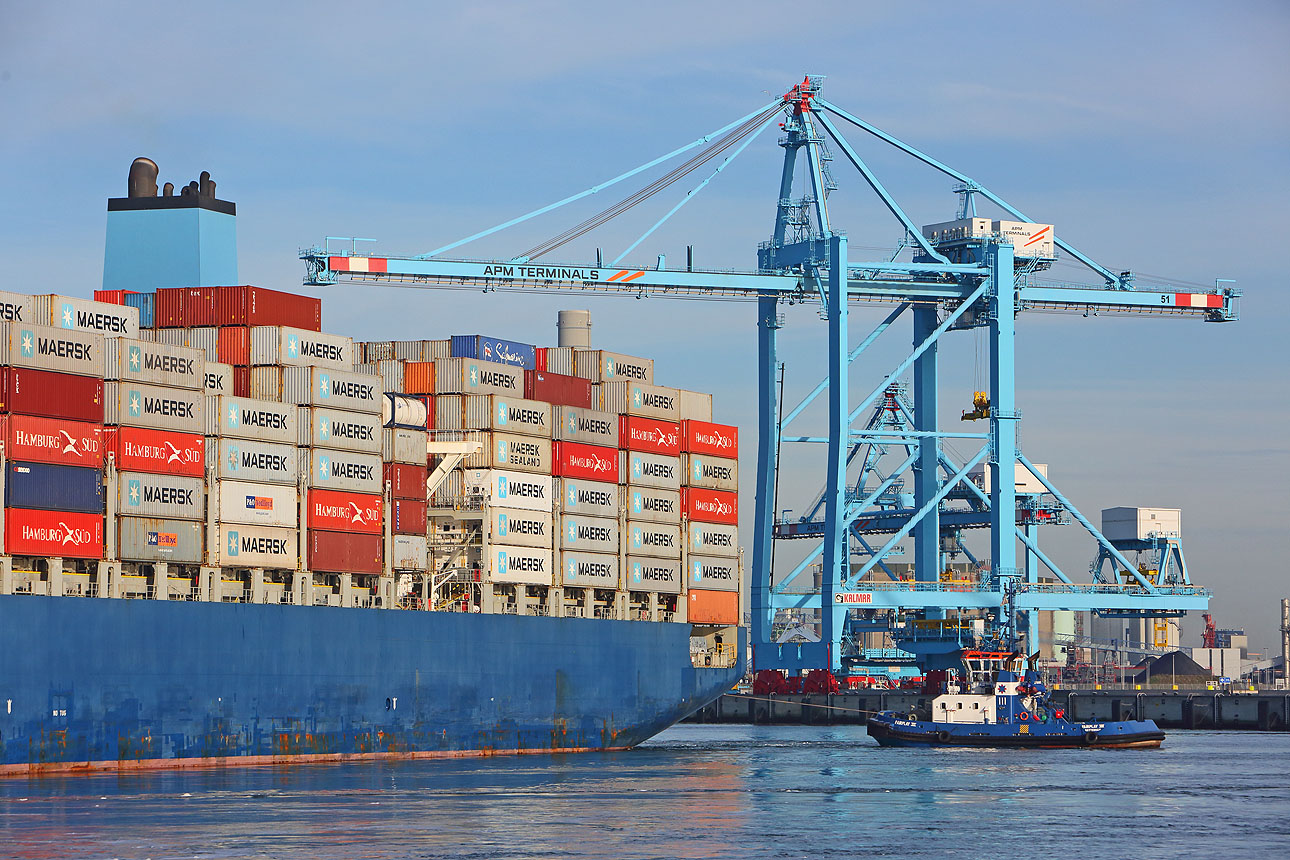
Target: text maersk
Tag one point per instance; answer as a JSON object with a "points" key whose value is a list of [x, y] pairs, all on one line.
{"points": [[525, 489], [594, 498], [716, 539], [595, 569], [655, 400], [263, 545], [724, 572], [659, 539], [657, 470], [353, 390], [493, 377], [595, 426], [658, 504], [600, 534], [352, 471], [55, 347], [168, 496], [165, 406], [352, 430], [169, 364], [715, 472], [264, 419], [11, 312], [520, 415], [656, 573], [267, 462], [109, 323], [536, 528], [324, 351]]}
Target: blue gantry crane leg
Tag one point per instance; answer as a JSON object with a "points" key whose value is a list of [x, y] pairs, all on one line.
{"points": [[965, 277]]}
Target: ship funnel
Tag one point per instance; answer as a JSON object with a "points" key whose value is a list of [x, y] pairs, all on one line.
{"points": [[574, 328]]}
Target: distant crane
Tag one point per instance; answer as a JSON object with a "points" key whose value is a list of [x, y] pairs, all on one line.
{"points": [[971, 273], [1209, 638]]}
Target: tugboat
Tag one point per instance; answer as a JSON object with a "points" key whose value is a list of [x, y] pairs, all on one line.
{"points": [[994, 701]]}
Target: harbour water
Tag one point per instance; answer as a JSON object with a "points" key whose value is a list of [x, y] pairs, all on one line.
{"points": [[696, 791]]}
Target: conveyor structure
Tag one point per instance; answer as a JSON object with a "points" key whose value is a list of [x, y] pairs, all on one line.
{"points": [[970, 274]]}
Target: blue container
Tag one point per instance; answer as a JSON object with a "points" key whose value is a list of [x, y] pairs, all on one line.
{"points": [[145, 302], [46, 487], [494, 349]]}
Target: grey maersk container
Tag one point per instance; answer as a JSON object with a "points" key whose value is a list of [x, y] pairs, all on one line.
{"points": [[590, 426], [159, 540], [359, 432], [710, 473], [587, 498], [272, 505], [248, 460], [16, 308], [473, 376], [589, 570], [255, 546], [650, 470], [712, 574], [101, 318], [204, 339], [400, 445], [218, 378], [638, 398], [694, 406], [247, 418], [652, 505], [506, 414], [318, 386], [505, 451], [655, 540], [588, 534], [713, 539], [137, 404], [341, 470], [282, 345], [172, 497], [600, 365], [663, 575], [520, 528], [154, 363], [44, 348]]}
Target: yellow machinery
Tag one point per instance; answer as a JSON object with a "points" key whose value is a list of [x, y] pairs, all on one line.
{"points": [[980, 407]]}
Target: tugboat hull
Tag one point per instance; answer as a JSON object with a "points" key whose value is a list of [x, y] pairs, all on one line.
{"points": [[891, 731]]}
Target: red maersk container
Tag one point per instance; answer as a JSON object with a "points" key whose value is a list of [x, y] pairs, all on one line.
{"points": [[703, 437], [53, 533], [51, 440], [241, 382], [408, 516], [233, 346], [159, 452], [336, 510], [344, 552], [112, 297], [651, 435], [407, 481], [250, 306], [557, 388], [51, 395], [710, 506], [589, 462]]}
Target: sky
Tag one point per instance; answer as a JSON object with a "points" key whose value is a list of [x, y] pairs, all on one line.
{"points": [[1154, 135]]}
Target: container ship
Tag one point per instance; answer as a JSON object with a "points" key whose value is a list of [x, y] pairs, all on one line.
{"points": [[230, 537]]}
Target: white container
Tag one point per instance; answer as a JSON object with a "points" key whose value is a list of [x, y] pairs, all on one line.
{"points": [[244, 418], [318, 386], [655, 540], [256, 462], [600, 365], [375, 350], [519, 564], [559, 359], [472, 376], [398, 410], [695, 406], [101, 318], [588, 534], [710, 473], [136, 404], [341, 470], [505, 414], [255, 546], [204, 339], [519, 528], [448, 411], [507, 451], [298, 347], [391, 372], [1141, 523], [1025, 482], [1028, 240], [663, 575], [275, 505], [155, 363], [707, 573], [45, 348], [159, 540], [587, 498], [505, 489], [218, 378], [589, 570], [650, 470], [407, 350], [652, 505], [16, 308], [140, 494], [637, 398], [574, 424], [359, 432], [713, 539], [400, 445], [410, 552]]}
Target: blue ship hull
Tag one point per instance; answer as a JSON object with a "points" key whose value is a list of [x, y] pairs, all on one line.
{"points": [[109, 684], [892, 730]]}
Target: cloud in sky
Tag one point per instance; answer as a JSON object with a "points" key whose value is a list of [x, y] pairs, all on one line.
{"points": [[1154, 135]]}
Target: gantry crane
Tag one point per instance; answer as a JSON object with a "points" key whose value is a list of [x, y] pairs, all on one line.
{"points": [[970, 274]]}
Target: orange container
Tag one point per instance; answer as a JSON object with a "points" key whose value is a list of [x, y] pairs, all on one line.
{"points": [[714, 607], [418, 377], [233, 345]]}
